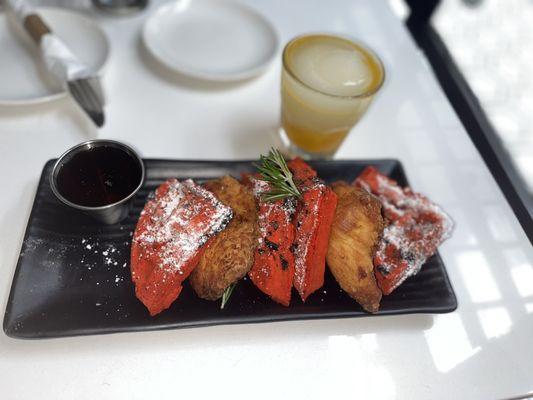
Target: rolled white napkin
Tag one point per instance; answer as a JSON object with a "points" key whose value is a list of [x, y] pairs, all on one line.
{"points": [[60, 61]]}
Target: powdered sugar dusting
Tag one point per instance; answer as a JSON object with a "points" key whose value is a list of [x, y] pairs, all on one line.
{"points": [[409, 243], [288, 205], [267, 213], [259, 187], [398, 201], [303, 238], [181, 221], [418, 226]]}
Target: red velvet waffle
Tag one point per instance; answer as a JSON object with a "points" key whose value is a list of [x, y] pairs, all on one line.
{"points": [[313, 219], [273, 268], [417, 227], [170, 237]]}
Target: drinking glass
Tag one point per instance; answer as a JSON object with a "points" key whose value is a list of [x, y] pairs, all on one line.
{"points": [[327, 84]]}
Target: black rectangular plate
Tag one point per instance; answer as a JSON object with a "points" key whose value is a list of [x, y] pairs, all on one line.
{"points": [[73, 275]]}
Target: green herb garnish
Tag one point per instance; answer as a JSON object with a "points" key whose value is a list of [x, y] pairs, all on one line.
{"points": [[227, 294], [274, 170]]}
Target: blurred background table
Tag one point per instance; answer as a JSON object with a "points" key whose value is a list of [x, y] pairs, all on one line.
{"points": [[483, 350], [481, 54]]}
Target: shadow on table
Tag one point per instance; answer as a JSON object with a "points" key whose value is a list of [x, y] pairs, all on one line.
{"points": [[175, 78], [63, 108], [253, 136], [218, 336]]}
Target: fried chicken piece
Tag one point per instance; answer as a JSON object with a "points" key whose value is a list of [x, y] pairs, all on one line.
{"points": [[230, 255], [355, 232], [171, 234]]}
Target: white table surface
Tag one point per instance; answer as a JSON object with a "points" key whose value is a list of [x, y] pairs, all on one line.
{"points": [[483, 350]]}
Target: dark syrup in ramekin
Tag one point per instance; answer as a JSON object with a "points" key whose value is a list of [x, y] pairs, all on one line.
{"points": [[98, 177]]}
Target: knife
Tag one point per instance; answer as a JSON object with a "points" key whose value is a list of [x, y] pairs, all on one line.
{"points": [[76, 77]]}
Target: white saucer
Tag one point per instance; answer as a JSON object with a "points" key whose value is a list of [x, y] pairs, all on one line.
{"points": [[215, 40], [23, 77]]}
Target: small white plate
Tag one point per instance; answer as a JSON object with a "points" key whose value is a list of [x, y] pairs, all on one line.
{"points": [[215, 40], [24, 79]]}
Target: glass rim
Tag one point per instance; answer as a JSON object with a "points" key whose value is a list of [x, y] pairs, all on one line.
{"points": [[357, 42]]}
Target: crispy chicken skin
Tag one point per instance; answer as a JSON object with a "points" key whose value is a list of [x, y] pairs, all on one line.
{"points": [[355, 232], [230, 255]]}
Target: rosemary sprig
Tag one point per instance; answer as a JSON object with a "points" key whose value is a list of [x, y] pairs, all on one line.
{"points": [[274, 170], [227, 294]]}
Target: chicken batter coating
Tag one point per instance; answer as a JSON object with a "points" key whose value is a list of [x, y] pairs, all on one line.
{"points": [[355, 232], [230, 254]]}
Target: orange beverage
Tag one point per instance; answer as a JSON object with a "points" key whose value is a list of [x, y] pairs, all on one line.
{"points": [[327, 84]]}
